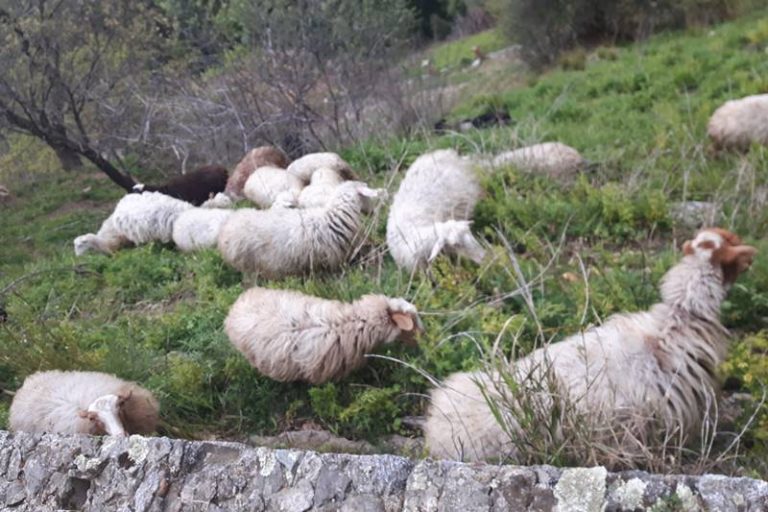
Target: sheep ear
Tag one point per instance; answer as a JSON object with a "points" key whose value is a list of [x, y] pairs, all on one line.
{"points": [[124, 396], [403, 321], [439, 244], [368, 191], [82, 413], [741, 254], [688, 248]]}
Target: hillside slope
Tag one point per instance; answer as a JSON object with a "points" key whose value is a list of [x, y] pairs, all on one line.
{"points": [[638, 113]]}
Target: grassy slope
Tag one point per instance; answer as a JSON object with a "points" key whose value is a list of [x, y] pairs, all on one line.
{"points": [[155, 315]]}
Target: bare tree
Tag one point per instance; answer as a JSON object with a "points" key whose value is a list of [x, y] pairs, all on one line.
{"points": [[64, 64]]}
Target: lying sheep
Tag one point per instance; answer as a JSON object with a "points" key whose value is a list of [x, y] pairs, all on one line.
{"points": [[552, 159], [320, 189], [622, 378], [264, 156], [431, 210], [198, 228], [304, 167], [82, 403], [289, 336], [264, 185], [739, 123], [280, 242], [137, 219], [195, 187], [220, 200]]}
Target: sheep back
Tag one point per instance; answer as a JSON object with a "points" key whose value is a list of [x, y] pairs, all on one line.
{"points": [[146, 217], [460, 425], [552, 159], [289, 336], [738, 123], [266, 183], [304, 167], [50, 402], [279, 242], [196, 186], [263, 156], [198, 228]]}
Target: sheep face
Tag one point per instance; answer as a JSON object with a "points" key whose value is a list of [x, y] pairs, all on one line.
{"points": [[286, 199], [405, 316], [104, 415], [721, 248], [456, 237], [87, 242]]}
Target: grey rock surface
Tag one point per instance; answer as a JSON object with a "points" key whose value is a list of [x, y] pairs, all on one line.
{"points": [[49, 472]]}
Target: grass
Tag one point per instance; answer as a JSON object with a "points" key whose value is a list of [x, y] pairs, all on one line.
{"points": [[638, 113], [460, 52]]}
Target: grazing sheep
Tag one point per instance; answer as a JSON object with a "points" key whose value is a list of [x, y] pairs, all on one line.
{"points": [[553, 159], [266, 183], [304, 167], [739, 123], [198, 228], [264, 156], [431, 209], [137, 219], [82, 403], [195, 187], [280, 242], [289, 336], [622, 377]]}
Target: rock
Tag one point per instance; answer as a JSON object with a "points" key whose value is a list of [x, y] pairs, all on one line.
{"points": [[48, 472], [316, 440], [695, 214]]}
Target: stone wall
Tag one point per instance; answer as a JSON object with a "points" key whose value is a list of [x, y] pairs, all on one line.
{"points": [[46, 472]]}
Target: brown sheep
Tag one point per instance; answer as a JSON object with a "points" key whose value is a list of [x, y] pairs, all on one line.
{"points": [[195, 187], [263, 156]]}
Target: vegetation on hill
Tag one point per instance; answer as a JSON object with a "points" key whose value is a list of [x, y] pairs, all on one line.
{"points": [[565, 255]]}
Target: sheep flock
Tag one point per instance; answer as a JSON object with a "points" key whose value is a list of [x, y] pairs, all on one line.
{"points": [[624, 378]]}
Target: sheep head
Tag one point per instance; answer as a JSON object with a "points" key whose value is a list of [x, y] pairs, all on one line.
{"points": [[286, 199], [456, 237], [104, 414], [89, 242], [721, 247], [405, 317]]}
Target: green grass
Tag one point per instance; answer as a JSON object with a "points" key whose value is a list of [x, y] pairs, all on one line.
{"points": [[638, 113], [459, 53]]}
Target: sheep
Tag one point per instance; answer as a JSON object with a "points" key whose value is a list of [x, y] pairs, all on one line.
{"points": [[552, 159], [738, 123], [266, 183], [431, 210], [304, 167], [195, 187], [137, 219], [320, 189], [275, 243], [220, 200], [263, 156], [198, 228], [623, 376], [289, 336], [82, 403]]}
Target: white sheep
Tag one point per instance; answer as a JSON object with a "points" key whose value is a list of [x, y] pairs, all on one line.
{"points": [[82, 403], [289, 336], [263, 186], [198, 228], [553, 159], [279, 242], [320, 189], [263, 156], [137, 219], [431, 210], [621, 378], [738, 123], [304, 167], [220, 200]]}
